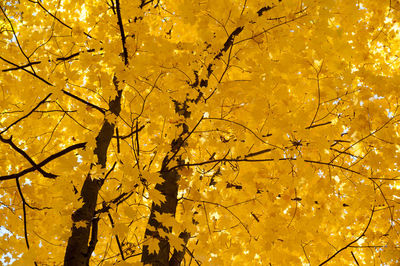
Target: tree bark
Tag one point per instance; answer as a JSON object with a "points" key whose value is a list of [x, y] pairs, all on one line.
{"points": [[170, 190], [78, 252]]}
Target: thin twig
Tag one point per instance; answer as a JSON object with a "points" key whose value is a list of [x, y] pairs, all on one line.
{"points": [[24, 212], [352, 242], [116, 236], [19, 67], [53, 16], [183, 142], [354, 257], [28, 114], [130, 134], [30, 72], [222, 206]]}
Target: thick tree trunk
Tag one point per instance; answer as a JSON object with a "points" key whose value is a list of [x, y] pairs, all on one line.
{"points": [[78, 251]]}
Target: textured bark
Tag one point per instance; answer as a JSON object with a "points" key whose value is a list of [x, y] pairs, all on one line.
{"points": [[78, 251]]}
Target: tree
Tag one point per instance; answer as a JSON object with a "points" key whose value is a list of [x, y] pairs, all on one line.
{"points": [[199, 132]]}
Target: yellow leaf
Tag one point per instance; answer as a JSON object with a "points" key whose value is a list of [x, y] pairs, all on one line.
{"points": [[153, 178], [156, 196], [153, 245], [81, 223], [120, 229], [176, 242]]}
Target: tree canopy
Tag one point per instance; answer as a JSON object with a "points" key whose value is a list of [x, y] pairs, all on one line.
{"points": [[199, 132]]}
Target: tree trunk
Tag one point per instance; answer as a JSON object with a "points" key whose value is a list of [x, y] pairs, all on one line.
{"points": [[170, 190], [78, 251]]}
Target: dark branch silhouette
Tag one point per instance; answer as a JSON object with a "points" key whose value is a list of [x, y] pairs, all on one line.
{"points": [[25, 116], [44, 162], [352, 242], [27, 157], [101, 110]]}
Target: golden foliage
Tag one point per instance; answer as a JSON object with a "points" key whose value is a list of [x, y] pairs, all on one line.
{"points": [[278, 118]]}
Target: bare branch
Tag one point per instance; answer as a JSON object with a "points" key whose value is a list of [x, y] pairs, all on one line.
{"points": [[28, 114], [352, 242], [121, 29], [44, 162], [27, 157], [24, 212], [20, 67], [30, 72], [85, 102], [93, 238]]}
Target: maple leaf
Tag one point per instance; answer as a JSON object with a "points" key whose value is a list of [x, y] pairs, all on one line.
{"points": [[176, 242], [156, 196], [152, 178], [153, 245]]}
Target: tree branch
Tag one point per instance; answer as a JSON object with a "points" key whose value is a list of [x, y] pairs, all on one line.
{"points": [[24, 212], [352, 242], [85, 102], [93, 238], [44, 162], [121, 29], [130, 134], [53, 16], [73, 55], [182, 142], [27, 157], [24, 69], [28, 114], [121, 252], [229, 42], [20, 67]]}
